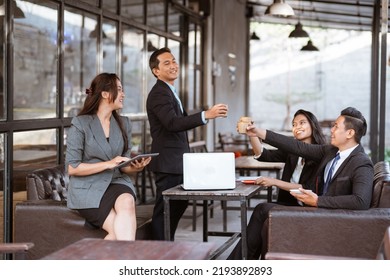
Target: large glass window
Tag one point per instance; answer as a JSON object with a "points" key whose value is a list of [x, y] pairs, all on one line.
{"points": [[80, 50], [156, 14], [133, 9], [35, 61], [111, 5], [32, 150], [194, 98], [174, 18], [109, 46], [52, 70], [132, 70]]}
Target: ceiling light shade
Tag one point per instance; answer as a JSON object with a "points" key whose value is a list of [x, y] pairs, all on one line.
{"points": [[279, 8], [254, 36], [310, 47], [298, 32]]}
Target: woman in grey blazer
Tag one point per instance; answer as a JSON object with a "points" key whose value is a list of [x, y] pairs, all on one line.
{"points": [[98, 140]]}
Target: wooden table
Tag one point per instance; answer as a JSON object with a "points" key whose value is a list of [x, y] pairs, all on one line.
{"points": [[241, 193], [100, 249], [246, 164]]}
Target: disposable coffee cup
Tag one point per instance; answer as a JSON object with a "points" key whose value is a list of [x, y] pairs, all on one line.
{"points": [[243, 123]]}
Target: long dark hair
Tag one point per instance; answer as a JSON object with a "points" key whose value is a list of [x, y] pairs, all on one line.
{"points": [[103, 82], [317, 135]]}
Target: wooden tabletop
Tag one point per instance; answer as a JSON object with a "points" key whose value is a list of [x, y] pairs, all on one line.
{"points": [[248, 162], [241, 190], [100, 249]]}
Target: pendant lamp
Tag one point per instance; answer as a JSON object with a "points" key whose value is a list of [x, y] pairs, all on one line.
{"points": [[310, 47], [298, 32], [254, 36], [280, 9]]}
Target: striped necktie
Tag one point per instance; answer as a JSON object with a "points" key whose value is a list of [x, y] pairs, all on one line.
{"points": [[330, 173]]}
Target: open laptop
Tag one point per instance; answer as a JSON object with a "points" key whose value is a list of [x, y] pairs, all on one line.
{"points": [[209, 171]]}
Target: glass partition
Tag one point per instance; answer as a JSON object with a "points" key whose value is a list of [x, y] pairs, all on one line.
{"points": [[32, 150], [109, 46], [80, 52], [156, 14], [111, 5], [174, 18], [132, 70], [35, 60], [133, 9]]}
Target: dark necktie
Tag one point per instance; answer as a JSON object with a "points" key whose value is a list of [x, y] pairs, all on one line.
{"points": [[330, 173]]}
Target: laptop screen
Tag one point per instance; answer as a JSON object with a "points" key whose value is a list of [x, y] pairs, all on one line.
{"points": [[209, 171]]}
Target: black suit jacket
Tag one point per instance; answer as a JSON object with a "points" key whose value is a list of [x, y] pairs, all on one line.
{"points": [[350, 187], [168, 128], [307, 178]]}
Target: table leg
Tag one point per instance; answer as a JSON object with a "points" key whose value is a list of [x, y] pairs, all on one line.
{"points": [[269, 194], [167, 219], [243, 229], [205, 221], [224, 215]]}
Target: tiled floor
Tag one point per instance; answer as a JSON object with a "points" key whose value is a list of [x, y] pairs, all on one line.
{"points": [[185, 232]]}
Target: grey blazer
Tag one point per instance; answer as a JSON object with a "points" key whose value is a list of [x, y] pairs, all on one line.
{"points": [[350, 187], [86, 143]]}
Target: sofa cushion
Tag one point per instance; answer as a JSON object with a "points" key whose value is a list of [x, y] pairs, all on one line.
{"points": [[47, 183]]}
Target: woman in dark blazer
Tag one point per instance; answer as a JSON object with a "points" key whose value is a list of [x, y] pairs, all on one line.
{"points": [[98, 140], [297, 172]]}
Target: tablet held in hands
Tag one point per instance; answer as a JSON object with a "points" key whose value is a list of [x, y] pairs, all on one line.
{"points": [[133, 159]]}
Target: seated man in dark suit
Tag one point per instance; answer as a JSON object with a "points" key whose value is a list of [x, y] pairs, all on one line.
{"points": [[344, 178]]}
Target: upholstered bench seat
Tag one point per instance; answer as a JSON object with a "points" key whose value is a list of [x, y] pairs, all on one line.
{"points": [[45, 220]]}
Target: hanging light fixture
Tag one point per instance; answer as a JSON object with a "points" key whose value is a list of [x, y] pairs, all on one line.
{"points": [[298, 32], [310, 47], [254, 36], [279, 8]]}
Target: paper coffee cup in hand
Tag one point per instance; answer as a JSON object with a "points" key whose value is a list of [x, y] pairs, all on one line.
{"points": [[243, 123]]}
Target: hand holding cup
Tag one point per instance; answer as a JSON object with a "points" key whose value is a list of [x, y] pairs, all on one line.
{"points": [[217, 111], [243, 123]]}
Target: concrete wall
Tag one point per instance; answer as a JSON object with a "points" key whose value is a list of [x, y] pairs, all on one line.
{"points": [[228, 61]]}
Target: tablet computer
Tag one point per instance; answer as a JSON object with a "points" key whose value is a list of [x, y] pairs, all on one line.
{"points": [[138, 157]]}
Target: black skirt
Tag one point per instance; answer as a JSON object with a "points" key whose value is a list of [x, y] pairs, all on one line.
{"points": [[95, 217]]}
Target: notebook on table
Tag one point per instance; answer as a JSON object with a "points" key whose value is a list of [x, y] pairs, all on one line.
{"points": [[209, 171]]}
